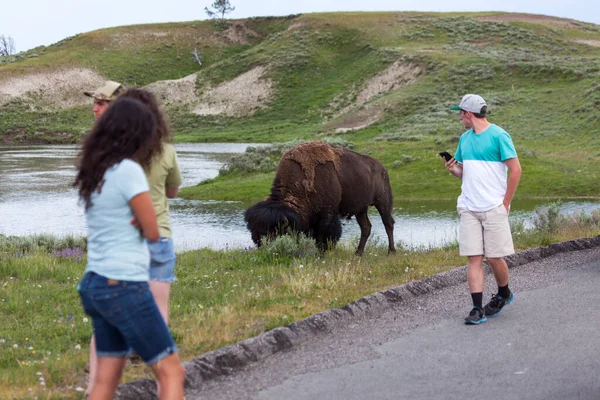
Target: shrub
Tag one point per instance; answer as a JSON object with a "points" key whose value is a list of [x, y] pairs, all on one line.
{"points": [[404, 159], [547, 218], [298, 245], [28, 244], [517, 227]]}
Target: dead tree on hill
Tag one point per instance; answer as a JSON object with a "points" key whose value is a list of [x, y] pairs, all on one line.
{"points": [[7, 45], [197, 56]]}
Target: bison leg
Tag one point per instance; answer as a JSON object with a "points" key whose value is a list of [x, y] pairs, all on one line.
{"points": [[326, 230], [388, 222], [365, 230]]}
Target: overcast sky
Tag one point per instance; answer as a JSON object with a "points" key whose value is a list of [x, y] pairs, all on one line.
{"points": [[33, 23]]}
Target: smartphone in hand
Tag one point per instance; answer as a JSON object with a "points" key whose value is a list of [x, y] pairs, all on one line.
{"points": [[447, 156]]}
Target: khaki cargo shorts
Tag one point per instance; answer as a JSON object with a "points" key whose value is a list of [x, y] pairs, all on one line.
{"points": [[485, 233]]}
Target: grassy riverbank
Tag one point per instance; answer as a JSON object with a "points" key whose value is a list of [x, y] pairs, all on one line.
{"points": [[221, 297]]}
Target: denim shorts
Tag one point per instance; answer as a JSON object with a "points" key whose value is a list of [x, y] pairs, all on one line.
{"points": [[162, 260], [124, 317]]}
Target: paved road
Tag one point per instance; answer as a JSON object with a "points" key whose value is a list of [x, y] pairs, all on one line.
{"points": [[545, 345]]}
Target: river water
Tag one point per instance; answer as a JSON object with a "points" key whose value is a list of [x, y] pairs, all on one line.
{"points": [[36, 197]]}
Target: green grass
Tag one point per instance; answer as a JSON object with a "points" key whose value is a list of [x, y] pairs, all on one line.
{"points": [[247, 188], [21, 125], [220, 297]]}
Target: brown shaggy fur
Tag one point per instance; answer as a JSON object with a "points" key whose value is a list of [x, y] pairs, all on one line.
{"points": [[311, 154]]}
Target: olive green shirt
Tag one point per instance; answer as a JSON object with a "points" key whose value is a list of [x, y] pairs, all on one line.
{"points": [[164, 173]]}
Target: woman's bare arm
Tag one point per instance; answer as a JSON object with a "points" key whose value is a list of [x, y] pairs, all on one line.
{"points": [[145, 217]]}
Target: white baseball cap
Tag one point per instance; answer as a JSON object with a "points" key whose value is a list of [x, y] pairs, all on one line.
{"points": [[472, 103]]}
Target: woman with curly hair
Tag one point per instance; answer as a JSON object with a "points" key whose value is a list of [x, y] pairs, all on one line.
{"points": [[114, 290]]}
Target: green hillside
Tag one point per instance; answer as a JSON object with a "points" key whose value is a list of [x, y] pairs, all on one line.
{"points": [[382, 81]]}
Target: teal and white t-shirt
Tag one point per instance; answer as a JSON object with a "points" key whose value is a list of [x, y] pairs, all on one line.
{"points": [[484, 172], [116, 249]]}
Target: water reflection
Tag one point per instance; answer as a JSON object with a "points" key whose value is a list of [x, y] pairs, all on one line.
{"points": [[36, 196]]}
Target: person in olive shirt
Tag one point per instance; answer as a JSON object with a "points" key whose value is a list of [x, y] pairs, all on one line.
{"points": [[164, 179]]}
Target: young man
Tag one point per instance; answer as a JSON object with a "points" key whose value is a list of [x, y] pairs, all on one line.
{"points": [[484, 154], [103, 96]]}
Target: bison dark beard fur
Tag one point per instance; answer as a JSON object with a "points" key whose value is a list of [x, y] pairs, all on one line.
{"points": [[340, 189]]}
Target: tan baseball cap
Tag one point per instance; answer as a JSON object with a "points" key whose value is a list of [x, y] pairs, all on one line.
{"points": [[108, 92]]}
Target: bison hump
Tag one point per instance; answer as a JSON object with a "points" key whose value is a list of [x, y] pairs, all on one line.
{"points": [[311, 154]]}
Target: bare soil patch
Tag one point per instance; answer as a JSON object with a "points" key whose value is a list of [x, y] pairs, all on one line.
{"points": [[296, 25], [594, 43], [536, 18], [176, 91], [396, 76], [59, 89], [239, 97], [393, 78], [238, 32], [359, 119]]}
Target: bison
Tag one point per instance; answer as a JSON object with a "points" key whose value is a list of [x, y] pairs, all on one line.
{"points": [[315, 185]]}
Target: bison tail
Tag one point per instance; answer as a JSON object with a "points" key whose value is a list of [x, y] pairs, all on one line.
{"points": [[271, 218]]}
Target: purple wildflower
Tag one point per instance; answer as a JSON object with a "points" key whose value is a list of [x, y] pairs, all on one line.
{"points": [[69, 253]]}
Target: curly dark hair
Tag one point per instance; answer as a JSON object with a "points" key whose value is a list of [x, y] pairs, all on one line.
{"points": [[127, 129], [149, 99]]}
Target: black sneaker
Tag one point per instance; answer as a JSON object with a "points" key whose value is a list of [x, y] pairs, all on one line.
{"points": [[496, 304], [476, 316]]}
